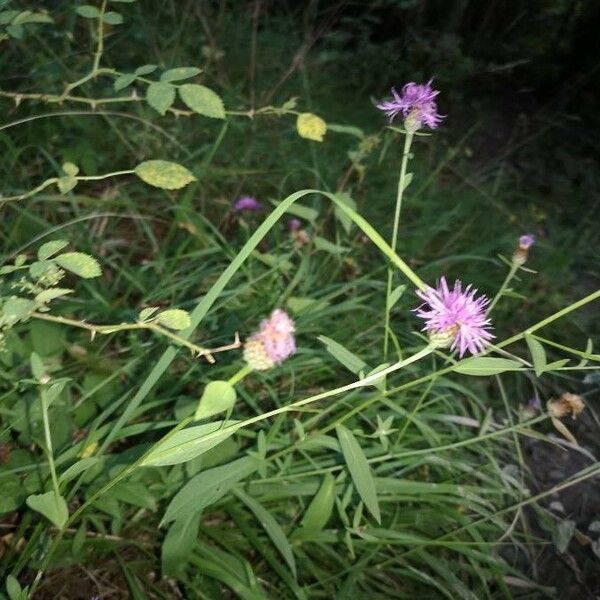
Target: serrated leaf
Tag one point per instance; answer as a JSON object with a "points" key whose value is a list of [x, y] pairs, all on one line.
{"points": [[146, 313], [53, 507], [343, 355], [272, 528], [66, 183], [311, 127], [483, 366], [538, 354], [202, 100], [145, 70], [189, 443], [208, 487], [123, 81], [50, 248], [164, 174], [17, 309], [80, 264], [218, 396], [112, 18], [160, 96], [359, 470], [180, 73], [51, 294], [87, 11], [174, 318]]}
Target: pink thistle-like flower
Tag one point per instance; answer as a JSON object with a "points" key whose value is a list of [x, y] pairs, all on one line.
{"points": [[458, 314], [526, 241], [416, 103], [272, 343], [246, 203]]}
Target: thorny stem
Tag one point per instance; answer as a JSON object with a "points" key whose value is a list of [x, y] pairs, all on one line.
{"points": [[401, 185], [150, 325]]}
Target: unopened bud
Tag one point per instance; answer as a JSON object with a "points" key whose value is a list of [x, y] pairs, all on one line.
{"points": [[567, 404]]}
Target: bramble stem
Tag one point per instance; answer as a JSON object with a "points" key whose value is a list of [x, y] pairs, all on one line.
{"points": [[390, 274]]}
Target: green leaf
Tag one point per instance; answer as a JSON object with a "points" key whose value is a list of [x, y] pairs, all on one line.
{"points": [[51, 294], [79, 467], [53, 507], [146, 313], [80, 264], [189, 443], [299, 305], [319, 511], [164, 174], [538, 354], [160, 96], [145, 70], [179, 544], [486, 365], [272, 528], [348, 359], [13, 588], [562, 534], [37, 366], [359, 470], [87, 12], [407, 179], [112, 18], [174, 318], [304, 212], [311, 127], [47, 339], [202, 100], [325, 245], [51, 248], [66, 183], [396, 295], [123, 81], [208, 487], [342, 216], [180, 73], [218, 396], [349, 129], [17, 309], [29, 16]]}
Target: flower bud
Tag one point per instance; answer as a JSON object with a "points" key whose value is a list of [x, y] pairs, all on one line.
{"points": [[522, 252], [567, 404]]}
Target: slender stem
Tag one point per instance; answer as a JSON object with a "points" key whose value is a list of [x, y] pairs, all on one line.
{"points": [[150, 326], [509, 276], [48, 441], [237, 377], [100, 47], [390, 274]]}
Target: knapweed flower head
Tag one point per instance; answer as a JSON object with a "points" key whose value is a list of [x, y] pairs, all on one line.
{"points": [[272, 343], [246, 203], [521, 254], [416, 103], [294, 225], [455, 318]]}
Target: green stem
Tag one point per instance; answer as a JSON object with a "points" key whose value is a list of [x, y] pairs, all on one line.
{"points": [[511, 273], [237, 377], [48, 441], [390, 274]]}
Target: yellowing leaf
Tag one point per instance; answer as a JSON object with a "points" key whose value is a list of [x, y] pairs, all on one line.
{"points": [[202, 100], [311, 127], [164, 174], [174, 318]]}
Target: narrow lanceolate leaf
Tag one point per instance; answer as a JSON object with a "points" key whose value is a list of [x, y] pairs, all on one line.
{"points": [[343, 355], [160, 96], [321, 507], [483, 366], [272, 528], [179, 544], [359, 470], [202, 100], [189, 443], [53, 507], [208, 487], [174, 318], [79, 263], [164, 174], [538, 354]]}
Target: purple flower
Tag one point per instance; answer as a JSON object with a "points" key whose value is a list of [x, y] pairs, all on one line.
{"points": [[295, 225], [272, 343], [458, 314], [416, 103], [247, 203], [526, 241]]}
